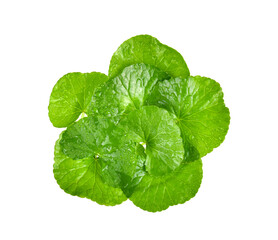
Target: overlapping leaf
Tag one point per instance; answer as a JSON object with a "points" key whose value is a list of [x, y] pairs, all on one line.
{"points": [[101, 139], [82, 178], [154, 128], [197, 102], [147, 49], [71, 96], [127, 91], [158, 193]]}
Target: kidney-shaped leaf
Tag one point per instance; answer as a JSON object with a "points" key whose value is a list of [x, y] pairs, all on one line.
{"points": [[147, 49], [158, 193], [102, 140], [198, 104], [71, 96], [82, 178], [127, 91], [155, 129]]}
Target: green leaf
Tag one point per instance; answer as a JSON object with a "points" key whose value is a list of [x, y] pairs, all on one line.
{"points": [[156, 130], [125, 174], [147, 49], [82, 178], [71, 96], [197, 103], [158, 193], [102, 140], [126, 92]]}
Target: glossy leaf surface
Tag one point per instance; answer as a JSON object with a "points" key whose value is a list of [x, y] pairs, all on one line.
{"points": [[71, 96], [198, 104], [156, 129], [126, 92], [102, 140], [158, 193], [147, 49], [82, 178]]}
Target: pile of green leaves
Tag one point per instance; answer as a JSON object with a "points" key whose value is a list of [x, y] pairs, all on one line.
{"points": [[143, 128]]}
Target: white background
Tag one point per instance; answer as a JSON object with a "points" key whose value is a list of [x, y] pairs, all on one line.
{"points": [[233, 42]]}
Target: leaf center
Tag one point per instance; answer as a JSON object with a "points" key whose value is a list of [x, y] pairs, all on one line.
{"points": [[143, 144]]}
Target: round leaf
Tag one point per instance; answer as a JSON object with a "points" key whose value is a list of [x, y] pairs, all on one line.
{"points": [[197, 103], [82, 178], [154, 128], [71, 96], [158, 193], [101, 139], [147, 49], [127, 91]]}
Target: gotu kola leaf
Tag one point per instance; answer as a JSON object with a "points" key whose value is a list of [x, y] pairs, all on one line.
{"points": [[101, 139], [155, 129], [147, 49], [71, 96], [126, 92], [157, 193], [197, 102], [82, 178]]}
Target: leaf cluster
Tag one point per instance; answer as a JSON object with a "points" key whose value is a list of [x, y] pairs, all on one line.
{"points": [[143, 128]]}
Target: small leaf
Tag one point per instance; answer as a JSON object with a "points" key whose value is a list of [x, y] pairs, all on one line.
{"points": [[71, 96], [147, 49]]}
